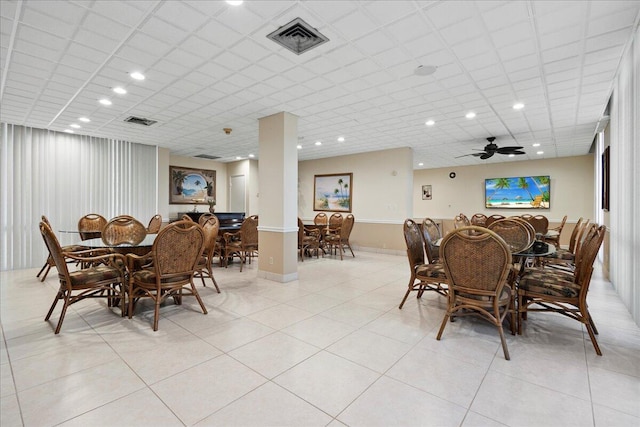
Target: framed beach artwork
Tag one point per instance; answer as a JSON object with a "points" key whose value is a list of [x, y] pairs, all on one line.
{"points": [[522, 192], [191, 186], [332, 192]]}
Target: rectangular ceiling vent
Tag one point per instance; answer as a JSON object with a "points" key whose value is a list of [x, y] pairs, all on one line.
{"points": [[207, 156], [140, 121], [298, 36]]}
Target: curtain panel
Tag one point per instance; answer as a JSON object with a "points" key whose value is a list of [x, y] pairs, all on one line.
{"points": [[65, 176]]}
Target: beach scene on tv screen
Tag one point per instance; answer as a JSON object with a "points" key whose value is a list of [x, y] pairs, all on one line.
{"points": [[524, 192]]}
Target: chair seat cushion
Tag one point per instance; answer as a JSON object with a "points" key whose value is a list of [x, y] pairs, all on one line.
{"points": [[430, 271], [562, 254], [94, 274], [549, 282], [148, 277]]}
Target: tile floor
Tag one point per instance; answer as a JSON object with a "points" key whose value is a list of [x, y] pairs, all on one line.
{"points": [[330, 349]]}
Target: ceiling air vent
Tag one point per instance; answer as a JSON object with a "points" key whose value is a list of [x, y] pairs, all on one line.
{"points": [[140, 121], [207, 156], [298, 36]]}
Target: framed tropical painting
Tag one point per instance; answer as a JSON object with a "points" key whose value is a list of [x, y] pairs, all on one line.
{"points": [[191, 186], [332, 192], [521, 192]]}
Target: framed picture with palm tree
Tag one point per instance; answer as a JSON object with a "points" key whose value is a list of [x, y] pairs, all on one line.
{"points": [[332, 192], [190, 186], [522, 192]]}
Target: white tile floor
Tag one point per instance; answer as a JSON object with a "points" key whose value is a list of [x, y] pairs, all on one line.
{"points": [[330, 349]]}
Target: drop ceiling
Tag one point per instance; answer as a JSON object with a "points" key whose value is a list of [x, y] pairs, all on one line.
{"points": [[209, 66]]}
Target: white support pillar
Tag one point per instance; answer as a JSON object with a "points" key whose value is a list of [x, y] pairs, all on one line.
{"points": [[278, 221]]}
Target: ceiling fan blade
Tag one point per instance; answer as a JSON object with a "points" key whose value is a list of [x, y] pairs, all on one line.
{"points": [[465, 155], [508, 150], [485, 156], [518, 152]]}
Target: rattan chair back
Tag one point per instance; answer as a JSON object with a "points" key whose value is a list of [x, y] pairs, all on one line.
{"points": [[321, 219], [176, 251], [576, 233], [514, 232], [155, 223], [211, 227], [204, 217], [540, 223], [460, 221], [492, 218], [335, 220], [186, 217], [431, 234], [479, 220], [413, 239], [123, 229], [90, 226]]}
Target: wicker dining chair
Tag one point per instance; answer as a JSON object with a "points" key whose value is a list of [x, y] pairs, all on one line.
{"points": [[540, 223], [308, 240], [49, 262], [565, 257], [204, 269], [339, 241], [544, 289], [169, 267], [103, 278], [242, 243], [90, 226], [321, 219], [423, 277], [477, 266], [204, 217], [155, 223], [460, 221], [514, 232]]}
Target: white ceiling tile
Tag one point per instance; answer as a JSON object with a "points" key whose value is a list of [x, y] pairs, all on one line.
{"points": [[444, 14], [410, 28], [517, 50], [505, 14], [560, 53], [468, 29], [559, 17], [119, 11], [374, 43], [476, 46], [386, 11], [354, 25], [182, 15], [103, 26], [329, 10], [607, 40]]}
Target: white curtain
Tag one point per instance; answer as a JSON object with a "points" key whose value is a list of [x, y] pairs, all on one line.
{"points": [[65, 176], [625, 180]]}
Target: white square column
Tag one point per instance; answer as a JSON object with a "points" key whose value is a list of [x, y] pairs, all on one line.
{"points": [[278, 220]]}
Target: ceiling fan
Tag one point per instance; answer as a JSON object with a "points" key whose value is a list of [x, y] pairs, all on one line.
{"points": [[490, 149]]}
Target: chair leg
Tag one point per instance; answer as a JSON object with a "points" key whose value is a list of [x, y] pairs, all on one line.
{"points": [[505, 350], [405, 298], [593, 338], [67, 297], [446, 317], [156, 313], [197, 295], [213, 279]]}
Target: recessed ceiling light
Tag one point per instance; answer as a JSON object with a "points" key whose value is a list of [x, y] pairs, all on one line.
{"points": [[429, 123], [105, 101], [518, 106], [470, 115], [537, 144], [234, 2], [238, 158], [75, 126], [84, 119], [68, 131], [540, 152], [318, 143], [299, 147], [137, 76], [341, 139], [420, 164], [119, 90], [251, 156], [425, 70], [512, 155]]}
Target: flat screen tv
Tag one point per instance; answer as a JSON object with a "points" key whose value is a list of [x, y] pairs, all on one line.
{"points": [[521, 192]]}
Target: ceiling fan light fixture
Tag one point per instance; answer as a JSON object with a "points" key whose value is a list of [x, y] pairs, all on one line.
{"points": [[425, 70]]}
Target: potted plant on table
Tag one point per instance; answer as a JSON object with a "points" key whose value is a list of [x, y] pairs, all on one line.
{"points": [[212, 204]]}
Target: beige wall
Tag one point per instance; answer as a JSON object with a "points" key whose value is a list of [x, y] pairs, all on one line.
{"points": [[572, 189], [165, 160]]}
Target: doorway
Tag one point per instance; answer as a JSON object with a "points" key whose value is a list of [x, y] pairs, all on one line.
{"points": [[237, 194]]}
